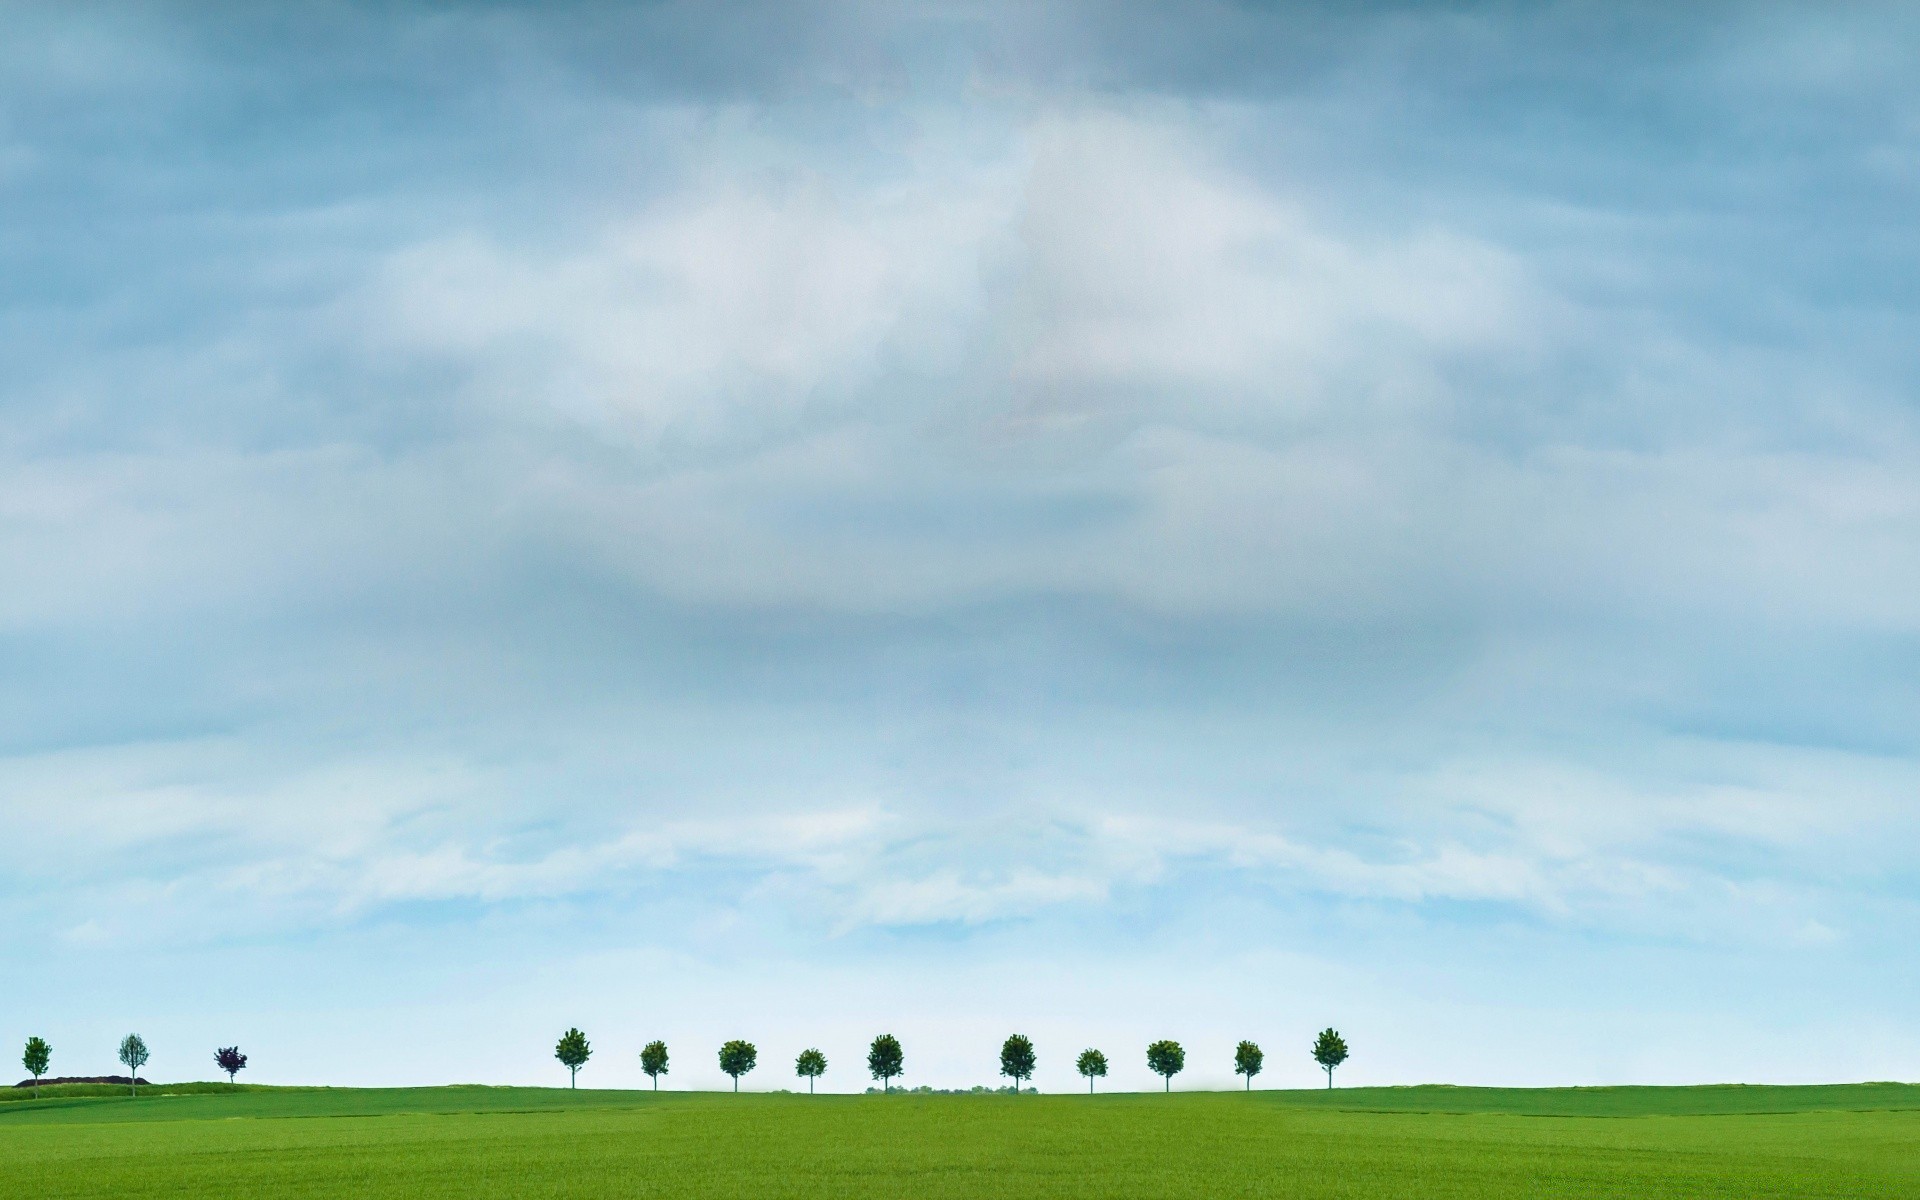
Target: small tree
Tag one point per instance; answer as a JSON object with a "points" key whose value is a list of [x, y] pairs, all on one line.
{"points": [[230, 1060], [885, 1060], [35, 1060], [133, 1052], [737, 1058], [573, 1052], [810, 1066], [1017, 1059], [653, 1060], [1092, 1064], [1167, 1059], [1247, 1059], [1329, 1050]]}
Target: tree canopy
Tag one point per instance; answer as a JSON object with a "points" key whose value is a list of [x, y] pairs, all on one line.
{"points": [[1247, 1060], [1329, 1050], [810, 1066], [230, 1060], [35, 1060], [1166, 1059], [885, 1060], [573, 1052], [737, 1058], [1017, 1059], [1091, 1064], [133, 1052], [653, 1060]]}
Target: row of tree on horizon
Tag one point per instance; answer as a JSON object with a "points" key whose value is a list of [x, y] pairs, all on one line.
{"points": [[133, 1052], [887, 1061]]}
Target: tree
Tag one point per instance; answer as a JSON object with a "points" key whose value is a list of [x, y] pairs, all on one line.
{"points": [[1247, 1059], [1166, 1059], [1017, 1059], [1091, 1063], [1329, 1050], [230, 1060], [886, 1060], [737, 1058], [810, 1066], [35, 1060], [573, 1052], [133, 1052], [653, 1060]]}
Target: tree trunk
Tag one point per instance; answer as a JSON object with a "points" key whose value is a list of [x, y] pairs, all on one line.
{"points": [[736, 1085], [1329, 1078], [1168, 1080]]}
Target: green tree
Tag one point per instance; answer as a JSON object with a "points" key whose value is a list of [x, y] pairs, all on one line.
{"points": [[1247, 1060], [1167, 1059], [573, 1052], [1017, 1059], [35, 1060], [133, 1052], [653, 1060], [737, 1058], [1329, 1050], [1091, 1063], [885, 1060], [810, 1066]]}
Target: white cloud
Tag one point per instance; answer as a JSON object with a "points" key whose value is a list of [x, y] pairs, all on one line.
{"points": [[1576, 848], [1152, 276], [1098, 259], [951, 895], [723, 310]]}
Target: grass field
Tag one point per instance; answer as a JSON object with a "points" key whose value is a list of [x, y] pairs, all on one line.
{"points": [[214, 1140]]}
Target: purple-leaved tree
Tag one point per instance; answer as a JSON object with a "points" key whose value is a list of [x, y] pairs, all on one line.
{"points": [[231, 1061]]}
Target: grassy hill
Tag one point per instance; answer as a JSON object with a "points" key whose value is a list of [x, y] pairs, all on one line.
{"points": [[1858, 1140]]}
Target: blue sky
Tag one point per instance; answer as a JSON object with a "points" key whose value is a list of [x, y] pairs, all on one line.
{"points": [[1112, 522]]}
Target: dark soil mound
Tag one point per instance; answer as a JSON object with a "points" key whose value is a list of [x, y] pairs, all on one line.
{"points": [[122, 1080]]}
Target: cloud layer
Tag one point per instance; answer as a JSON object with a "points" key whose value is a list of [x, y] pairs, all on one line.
{"points": [[988, 487]]}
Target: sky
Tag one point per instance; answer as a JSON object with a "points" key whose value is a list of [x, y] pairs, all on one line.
{"points": [[1109, 522]]}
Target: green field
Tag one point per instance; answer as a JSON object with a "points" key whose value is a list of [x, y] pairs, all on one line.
{"points": [[214, 1140]]}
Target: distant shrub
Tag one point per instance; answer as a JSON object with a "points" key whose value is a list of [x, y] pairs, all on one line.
{"points": [[975, 1090]]}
